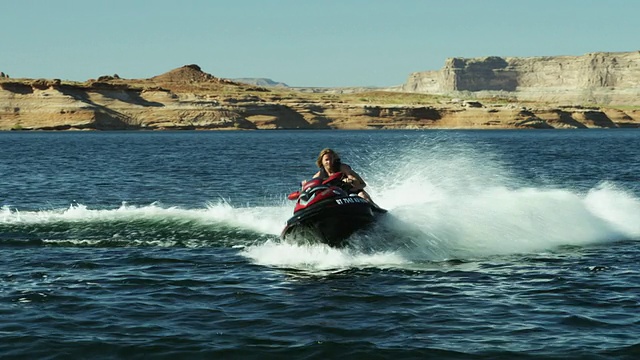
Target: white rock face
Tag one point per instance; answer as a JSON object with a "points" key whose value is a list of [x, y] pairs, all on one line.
{"points": [[602, 78]]}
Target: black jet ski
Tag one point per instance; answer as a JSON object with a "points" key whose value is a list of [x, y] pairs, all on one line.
{"points": [[326, 212]]}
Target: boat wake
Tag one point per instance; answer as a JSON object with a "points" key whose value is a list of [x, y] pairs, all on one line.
{"points": [[444, 202], [218, 224], [432, 224], [457, 203]]}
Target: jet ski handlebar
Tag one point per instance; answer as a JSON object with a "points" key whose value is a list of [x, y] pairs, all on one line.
{"points": [[333, 180]]}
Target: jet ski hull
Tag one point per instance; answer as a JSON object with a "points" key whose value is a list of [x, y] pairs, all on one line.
{"points": [[331, 221]]}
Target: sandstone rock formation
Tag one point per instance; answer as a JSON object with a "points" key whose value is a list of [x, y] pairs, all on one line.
{"points": [[596, 78], [188, 98]]}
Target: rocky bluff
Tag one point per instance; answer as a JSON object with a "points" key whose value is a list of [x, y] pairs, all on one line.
{"points": [[596, 78], [188, 98]]}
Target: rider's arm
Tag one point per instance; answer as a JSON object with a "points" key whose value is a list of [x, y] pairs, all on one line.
{"points": [[353, 178], [305, 180]]}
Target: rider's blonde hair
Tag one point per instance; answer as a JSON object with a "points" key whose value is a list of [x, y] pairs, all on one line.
{"points": [[334, 155]]}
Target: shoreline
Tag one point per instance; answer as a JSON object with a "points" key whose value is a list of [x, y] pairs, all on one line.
{"points": [[188, 99]]}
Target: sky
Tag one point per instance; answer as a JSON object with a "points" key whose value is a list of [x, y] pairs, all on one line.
{"points": [[319, 43]]}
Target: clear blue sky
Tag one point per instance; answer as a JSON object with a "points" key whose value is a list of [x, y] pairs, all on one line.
{"points": [[299, 42]]}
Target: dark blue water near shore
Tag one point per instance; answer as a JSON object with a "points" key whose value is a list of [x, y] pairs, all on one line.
{"points": [[498, 245]]}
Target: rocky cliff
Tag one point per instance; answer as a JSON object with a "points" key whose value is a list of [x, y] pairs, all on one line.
{"points": [[188, 98], [596, 78]]}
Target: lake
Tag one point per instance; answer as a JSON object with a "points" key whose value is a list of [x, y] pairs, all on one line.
{"points": [[497, 245]]}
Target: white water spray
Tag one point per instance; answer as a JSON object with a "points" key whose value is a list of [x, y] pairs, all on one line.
{"points": [[448, 201]]}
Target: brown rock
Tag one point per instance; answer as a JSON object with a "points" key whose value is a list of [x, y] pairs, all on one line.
{"points": [[187, 98], [186, 74]]}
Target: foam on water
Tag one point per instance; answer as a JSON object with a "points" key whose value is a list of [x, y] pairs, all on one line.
{"points": [[317, 257], [446, 200], [454, 202], [216, 224], [618, 207], [259, 219]]}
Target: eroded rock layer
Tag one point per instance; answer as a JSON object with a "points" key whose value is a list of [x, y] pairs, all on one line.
{"points": [[596, 78], [187, 98]]}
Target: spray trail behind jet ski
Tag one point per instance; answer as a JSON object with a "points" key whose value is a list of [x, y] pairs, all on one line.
{"points": [[447, 200]]}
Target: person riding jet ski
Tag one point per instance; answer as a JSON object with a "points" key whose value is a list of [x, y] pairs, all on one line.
{"points": [[331, 206], [329, 163]]}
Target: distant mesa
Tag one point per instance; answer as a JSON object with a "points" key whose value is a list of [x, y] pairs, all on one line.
{"points": [[260, 82], [593, 78], [186, 74]]}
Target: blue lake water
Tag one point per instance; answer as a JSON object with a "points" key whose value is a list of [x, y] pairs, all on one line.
{"points": [[498, 245]]}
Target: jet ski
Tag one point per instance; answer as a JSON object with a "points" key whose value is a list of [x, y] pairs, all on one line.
{"points": [[326, 212]]}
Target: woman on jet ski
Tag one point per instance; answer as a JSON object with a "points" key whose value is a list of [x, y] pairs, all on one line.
{"points": [[329, 163]]}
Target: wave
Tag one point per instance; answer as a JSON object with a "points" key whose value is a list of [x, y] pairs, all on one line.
{"points": [[446, 201], [152, 225], [443, 226]]}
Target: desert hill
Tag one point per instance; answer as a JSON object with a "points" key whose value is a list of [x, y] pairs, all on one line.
{"points": [[186, 74], [189, 98]]}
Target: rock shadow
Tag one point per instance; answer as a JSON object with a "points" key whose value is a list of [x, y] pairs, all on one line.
{"points": [[105, 118]]}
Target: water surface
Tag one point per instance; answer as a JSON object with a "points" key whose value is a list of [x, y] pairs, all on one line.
{"points": [[498, 244]]}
